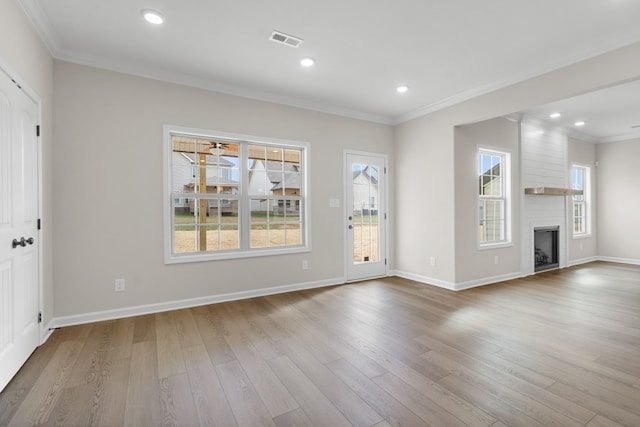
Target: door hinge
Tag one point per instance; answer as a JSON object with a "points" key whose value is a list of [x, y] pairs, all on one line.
{"points": [[385, 215], [38, 130], [385, 170], [39, 317], [39, 224], [385, 261]]}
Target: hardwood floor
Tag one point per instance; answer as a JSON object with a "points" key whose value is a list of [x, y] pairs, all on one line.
{"points": [[561, 348]]}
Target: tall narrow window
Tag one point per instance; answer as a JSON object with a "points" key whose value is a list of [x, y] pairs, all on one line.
{"points": [[227, 197], [580, 181], [493, 197]]}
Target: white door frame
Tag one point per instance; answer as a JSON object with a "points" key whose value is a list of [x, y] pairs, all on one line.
{"points": [[7, 72], [346, 208]]}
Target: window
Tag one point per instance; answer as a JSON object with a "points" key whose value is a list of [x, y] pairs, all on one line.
{"points": [[232, 196], [493, 197], [580, 181]]}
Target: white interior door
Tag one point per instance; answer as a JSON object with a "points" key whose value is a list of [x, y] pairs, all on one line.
{"points": [[365, 206], [19, 262]]}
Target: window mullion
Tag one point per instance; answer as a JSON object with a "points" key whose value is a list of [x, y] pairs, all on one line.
{"points": [[245, 200]]}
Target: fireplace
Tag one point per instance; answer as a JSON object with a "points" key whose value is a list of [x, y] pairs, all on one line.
{"points": [[545, 240]]}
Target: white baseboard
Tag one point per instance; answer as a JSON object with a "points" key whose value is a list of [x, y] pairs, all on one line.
{"points": [[619, 260], [571, 263], [456, 286], [46, 332], [487, 281], [423, 279], [119, 313]]}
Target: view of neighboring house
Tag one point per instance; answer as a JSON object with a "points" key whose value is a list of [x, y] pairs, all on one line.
{"points": [[269, 178], [219, 180], [365, 191]]}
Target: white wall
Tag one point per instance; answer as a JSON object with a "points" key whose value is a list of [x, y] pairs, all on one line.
{"points": [[583, 249], [500, 134], [618, 203], [22, 51], [425, 225], [108, 189]]}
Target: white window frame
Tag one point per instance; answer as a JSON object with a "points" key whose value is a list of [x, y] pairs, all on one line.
{"points": [[584, 200], [245, 251], [505, 197]]}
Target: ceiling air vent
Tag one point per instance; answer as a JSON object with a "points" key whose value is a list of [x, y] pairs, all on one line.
{"points": [[285, 39]]}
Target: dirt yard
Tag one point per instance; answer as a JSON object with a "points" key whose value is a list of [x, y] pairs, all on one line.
{"points": [[365, 242]]}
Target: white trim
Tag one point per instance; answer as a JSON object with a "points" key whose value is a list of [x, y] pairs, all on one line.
{"points": [[242, 139], [47, 331], [487, 281], [424, 279], [619, 260], [507, 196], [120, 313], [574, 262]]}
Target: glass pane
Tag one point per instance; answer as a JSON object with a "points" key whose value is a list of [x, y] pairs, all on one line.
{"points": [[229, 234], [293, 236], [259, 210], [365, 214], [184, 239], [258, 154], [492, 220]]}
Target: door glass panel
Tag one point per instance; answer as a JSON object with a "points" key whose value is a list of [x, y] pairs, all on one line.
{"points": [[366, 234]]}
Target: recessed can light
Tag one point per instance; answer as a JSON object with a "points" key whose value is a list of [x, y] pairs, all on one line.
{"points": [[579, 123], [307, 62], [554, 115], [153, 16], [402, 89]]}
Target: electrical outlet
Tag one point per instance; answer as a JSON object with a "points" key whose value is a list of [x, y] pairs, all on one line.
{"points": [[432, 261], [305, 264], [120, 285], [496, 260]]}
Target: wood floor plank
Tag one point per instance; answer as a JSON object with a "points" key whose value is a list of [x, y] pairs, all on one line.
{"points": [[243, 398], [144, 329], [382, 402], [43, 396], [459, 363], [511, 395], [176, 402], [296, 418], [557, 348], [274, 395], [425, 408], [211, 326], [314, 403], [143, 390], [350, 403], [209, 398], [170, 357]]}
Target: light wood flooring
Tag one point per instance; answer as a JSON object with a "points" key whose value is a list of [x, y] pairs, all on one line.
{"points": [[560, 348]]}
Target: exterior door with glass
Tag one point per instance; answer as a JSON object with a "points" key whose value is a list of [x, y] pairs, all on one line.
{"points": [[365, 206]]}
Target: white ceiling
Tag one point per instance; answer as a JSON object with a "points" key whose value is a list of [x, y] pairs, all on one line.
{"points": [[446, 51]]}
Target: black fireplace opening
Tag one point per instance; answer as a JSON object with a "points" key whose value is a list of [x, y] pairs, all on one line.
{"points": [[545, 242]]}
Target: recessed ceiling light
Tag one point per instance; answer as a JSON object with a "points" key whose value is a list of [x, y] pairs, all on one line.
{"points": [[153, 16], [554, 115], [307, 62], [402, 89], [579, 123]]}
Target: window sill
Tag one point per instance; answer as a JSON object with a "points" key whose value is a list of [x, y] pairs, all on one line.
{"points": [[487, 246], [225, 256], [581, 236]]}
